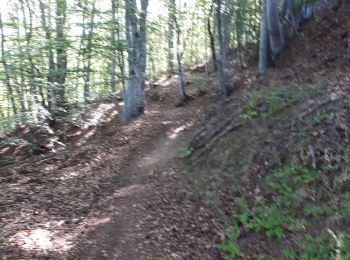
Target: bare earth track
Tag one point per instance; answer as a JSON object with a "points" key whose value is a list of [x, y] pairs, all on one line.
{"points": [[118, 196]]}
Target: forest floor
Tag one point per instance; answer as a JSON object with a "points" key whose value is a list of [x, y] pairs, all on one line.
{"points": [[268, 176], [119, 195]]}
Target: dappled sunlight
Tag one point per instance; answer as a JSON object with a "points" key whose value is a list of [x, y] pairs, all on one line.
{"points": [[90, 133], [69, 175], [167, 122], [126, 191], [97, 115], [174, 132], [40, 239]]}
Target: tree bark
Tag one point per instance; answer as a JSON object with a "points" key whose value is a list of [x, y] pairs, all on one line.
{"points": [[7, 75], [276, 38], [263, 42], [135, 29], [61, 50], [221, 74], [212, 41]]}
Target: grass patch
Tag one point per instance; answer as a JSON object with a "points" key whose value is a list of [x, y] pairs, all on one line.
{"points": [[275, 216], [271, 101]]}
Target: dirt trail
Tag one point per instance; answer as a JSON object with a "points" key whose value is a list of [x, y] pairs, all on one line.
{"points": [[122, 236], [119, 196]]}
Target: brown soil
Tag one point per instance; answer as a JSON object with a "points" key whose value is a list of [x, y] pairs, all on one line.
{"points": [[119, 195]]}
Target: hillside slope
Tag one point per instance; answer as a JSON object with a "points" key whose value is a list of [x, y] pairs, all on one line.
{"points": [[275, 168]]}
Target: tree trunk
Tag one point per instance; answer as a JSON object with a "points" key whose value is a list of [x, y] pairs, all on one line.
{"points": [[221, 75], [113, 61], [7, 75], [276, 38], [61, 50], [87, 56], [212, 41], [46, 24], [263, 43], [135, 30], [171, 18]]}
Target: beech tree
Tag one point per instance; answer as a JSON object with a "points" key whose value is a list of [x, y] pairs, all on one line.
{"points": [[61, 55], [135, 30]]}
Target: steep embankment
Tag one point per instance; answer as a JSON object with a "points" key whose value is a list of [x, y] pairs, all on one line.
{"points": [[277, 171]]}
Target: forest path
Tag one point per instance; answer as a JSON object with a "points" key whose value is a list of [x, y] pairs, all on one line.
{"points": [[119, 195], [122, 236], [148, 186]]}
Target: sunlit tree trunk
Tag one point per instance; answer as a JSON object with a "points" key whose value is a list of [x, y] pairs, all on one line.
{"points": [[87, 55], [61, 49], [46, 24], [113, 62], [136, 40], [7, 75], [178, 51], [171, 18]]}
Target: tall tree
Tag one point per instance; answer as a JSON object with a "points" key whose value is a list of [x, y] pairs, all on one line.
{"points": [[221, 72], [178, 51], [7, 73], [61, 52], [46, 25], [212, 39], [263, 42], [135, 30]]}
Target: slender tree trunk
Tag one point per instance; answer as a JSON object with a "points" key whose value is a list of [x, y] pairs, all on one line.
{"points": [[7, 75], [87, 56], [112, 67], [221, 75], [28, 37], [179, 53], [263, 42], [61, 49], [239, 34], [171, 18], [212, 41], [46, 24]]}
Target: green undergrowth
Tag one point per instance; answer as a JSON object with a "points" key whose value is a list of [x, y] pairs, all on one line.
{"points": [[294, 202], [281, 183], [272, 100]]}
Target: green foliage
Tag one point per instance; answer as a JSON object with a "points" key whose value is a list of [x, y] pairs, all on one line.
{"points": [[319, 118], [318, 211], [249, 110], [268, 218], [269, 102], [344, 247], [313, 248], [289, 177], [230, 247], [186, 152]]}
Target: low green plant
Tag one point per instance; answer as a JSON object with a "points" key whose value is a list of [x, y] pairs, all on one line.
{"points": [[230, 247], [186, 152], [249, 110], [262, 218], [319, 118], [344, 247], [286, 179], [318, 211], [313, 248]]}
